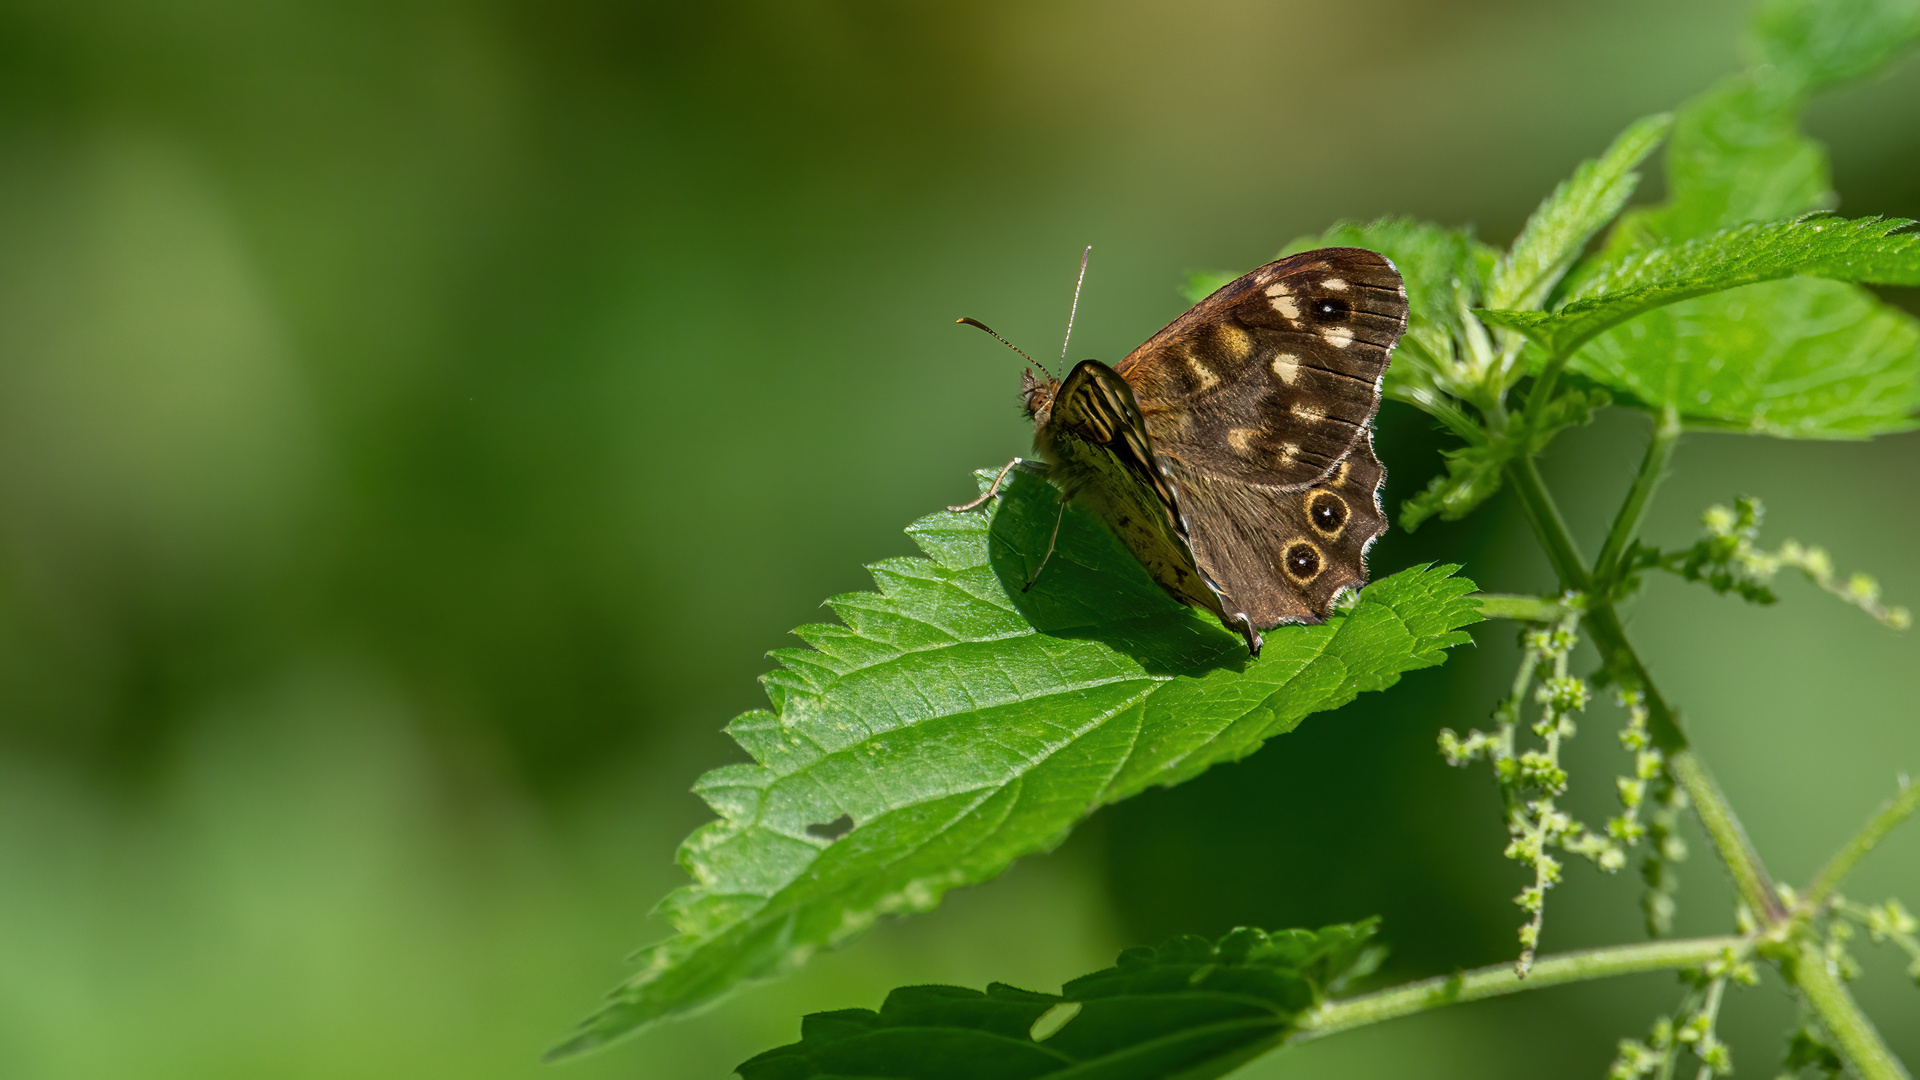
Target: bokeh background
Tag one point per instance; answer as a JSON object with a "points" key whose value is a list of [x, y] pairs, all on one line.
{"points": [[417, 418]]}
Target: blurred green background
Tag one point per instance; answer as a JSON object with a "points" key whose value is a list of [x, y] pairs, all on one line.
{"points": [[417, 418]]}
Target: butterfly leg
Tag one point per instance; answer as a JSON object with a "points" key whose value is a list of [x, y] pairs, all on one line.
{"points": [[1051, 540], [1244, 625], [994, 489]]}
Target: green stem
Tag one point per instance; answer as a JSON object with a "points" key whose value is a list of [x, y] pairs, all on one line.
{"points": [[1729, 838], [1544, 515], [1500, 980], [1540, 609], [1893, 813], [1543, 386], [1857, 1040], [1653, 468]]}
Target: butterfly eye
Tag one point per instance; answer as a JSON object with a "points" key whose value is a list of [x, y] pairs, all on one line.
{"points": [[1303, 562], [1328, 513], [1330, 308]]}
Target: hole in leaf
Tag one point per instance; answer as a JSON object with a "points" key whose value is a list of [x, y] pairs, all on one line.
{"points": [[832, 830]]}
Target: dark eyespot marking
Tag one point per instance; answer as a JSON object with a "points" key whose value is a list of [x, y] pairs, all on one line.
{"points": [[1302, 561], [832, 830], [1328, 308], [1327, 511]]}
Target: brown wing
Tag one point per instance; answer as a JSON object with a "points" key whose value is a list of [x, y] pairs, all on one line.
{"points": [[1273, 378], [1099, 455], [1280, 555]]}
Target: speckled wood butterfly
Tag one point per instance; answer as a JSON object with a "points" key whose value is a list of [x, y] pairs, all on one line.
{"points": [[1233, 452]]}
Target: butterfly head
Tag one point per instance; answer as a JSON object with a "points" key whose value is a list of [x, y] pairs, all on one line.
{"points": [[1038, 395]]}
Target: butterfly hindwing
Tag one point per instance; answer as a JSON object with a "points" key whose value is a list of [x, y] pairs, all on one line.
{"points": [[1274, 378], [1282, 555]]}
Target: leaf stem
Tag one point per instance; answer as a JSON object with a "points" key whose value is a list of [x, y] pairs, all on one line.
{"points": [[1521, 608], [1500, 980], [1653, 468], [1893, 813]]}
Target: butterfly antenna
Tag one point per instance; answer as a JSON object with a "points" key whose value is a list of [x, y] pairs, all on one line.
{"points": [[976, 323], [1075, 309]]}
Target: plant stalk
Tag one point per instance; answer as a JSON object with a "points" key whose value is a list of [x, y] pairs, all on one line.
{"points": [[1893, 813], [1857, 1040], [1500, 980], [1653, 469]]}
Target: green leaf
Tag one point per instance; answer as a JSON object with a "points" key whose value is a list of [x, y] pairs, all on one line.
{"points": [[1800, 358], [1190, 1008], [1736, 156], [1565, 220], [1870, 250], [1812, 44], [953, 724]]}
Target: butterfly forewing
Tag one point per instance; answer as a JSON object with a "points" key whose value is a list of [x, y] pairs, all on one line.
{"points": [[1273, 379], [1097, 446]]}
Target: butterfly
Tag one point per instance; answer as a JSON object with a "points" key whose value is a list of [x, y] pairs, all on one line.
{"points": [[1232, 452]]}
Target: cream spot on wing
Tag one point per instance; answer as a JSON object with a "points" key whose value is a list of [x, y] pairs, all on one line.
{"points": [[1334, 283], [1202, 372], [1341, 476], [1242, 438], [1308, 413], [1285, 306], [1337, 336], [1279, 289], [1287, 366], [1289, 451], [1233, 341]]}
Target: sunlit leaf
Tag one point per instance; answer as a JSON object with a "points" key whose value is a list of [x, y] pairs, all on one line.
{"points": [[1810, 44], [952, 724], [1191, 1008], [1566, 219], [1796, 359], [1872, 250]]}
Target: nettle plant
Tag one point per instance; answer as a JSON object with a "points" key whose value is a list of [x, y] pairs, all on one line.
{"points": [[950, 723]]}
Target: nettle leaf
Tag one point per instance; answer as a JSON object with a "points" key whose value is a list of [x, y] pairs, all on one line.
{"points": [[1873, 250], [1817, 43], [952, 724], [1190, 1008], [1580, 207], [1800, 358]]}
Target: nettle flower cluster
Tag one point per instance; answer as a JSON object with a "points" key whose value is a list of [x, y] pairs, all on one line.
{"points": [[1531, 778]]}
